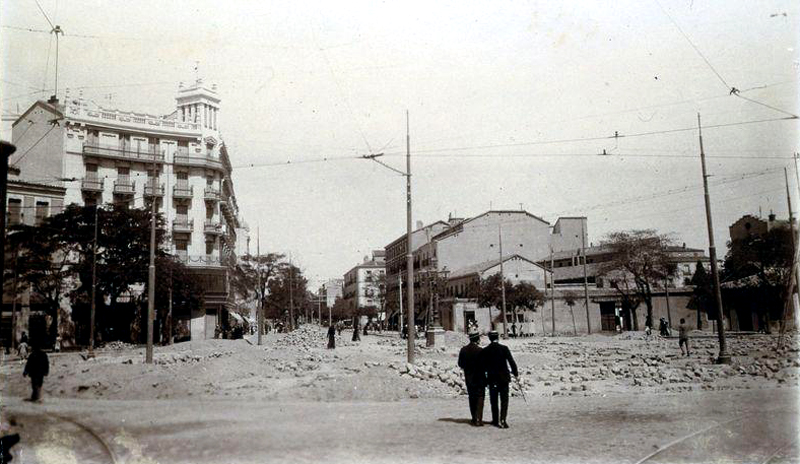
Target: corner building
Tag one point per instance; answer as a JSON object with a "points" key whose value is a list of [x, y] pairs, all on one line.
{"points": [[110, 156]]}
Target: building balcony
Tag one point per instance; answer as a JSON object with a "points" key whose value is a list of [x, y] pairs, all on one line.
{"points": [[92, 184], [183, 225], [151, 188], [182, 191], [212, 227], [149, 155], [199, 260], [211, 194], [124, 187], [182, 158]]}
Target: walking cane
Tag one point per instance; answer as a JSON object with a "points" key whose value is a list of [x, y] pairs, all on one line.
{"points": [[519, 385]]}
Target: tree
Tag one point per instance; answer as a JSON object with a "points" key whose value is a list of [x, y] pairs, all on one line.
{"points": [[252, 278], [42, 262], [703, 294], [378, 284], [62, 248], [766, 260], [639, 263], [526, 296], [174, 280], [280, 297], [570, 298], [490, 294], [340, 309]]}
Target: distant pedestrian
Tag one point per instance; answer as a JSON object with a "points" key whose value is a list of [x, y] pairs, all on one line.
{"points": [[37, 367], [24, 337], [648, 324], [470, 359], [683, 337], [497, 359], [662, 328], [331, 337], [404, 333], [23, 349], [339, 327], [514, 330], [356, 333]]}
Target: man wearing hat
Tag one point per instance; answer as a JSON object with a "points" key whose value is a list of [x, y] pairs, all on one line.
{"points": [[496, 359], [470, 359]]}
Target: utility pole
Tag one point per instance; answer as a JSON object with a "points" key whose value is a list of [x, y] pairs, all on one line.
{"points": [[56, 30], [669, 312], [502, 281], [412, 333], [400, 288], [409, 252], [723, 357], [585, 279], [552, 291], [260, 292], [93, 306], [795, 274], [291, 300], [14, 318], [151, 290]]}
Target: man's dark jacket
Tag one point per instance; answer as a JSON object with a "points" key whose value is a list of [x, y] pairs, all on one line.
{"points": [[470, 359], [495, 356], [38, 365]]}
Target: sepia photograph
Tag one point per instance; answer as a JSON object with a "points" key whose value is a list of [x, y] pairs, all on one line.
{"points": [[350, 231]]}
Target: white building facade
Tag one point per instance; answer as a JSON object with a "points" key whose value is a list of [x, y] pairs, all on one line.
{"points": [[109, 156]]}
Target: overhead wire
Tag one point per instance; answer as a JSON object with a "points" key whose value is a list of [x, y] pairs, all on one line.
{"points": [[34, 145], [731, 89]]}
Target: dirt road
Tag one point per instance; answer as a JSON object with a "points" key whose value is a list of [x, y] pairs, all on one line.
{"points": [[756, 425]]}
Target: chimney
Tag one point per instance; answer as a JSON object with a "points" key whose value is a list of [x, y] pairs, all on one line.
{"points": [[771, 216], [53, 100]]}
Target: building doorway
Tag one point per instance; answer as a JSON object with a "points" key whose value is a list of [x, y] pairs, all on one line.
{"points": [[608, 316]]}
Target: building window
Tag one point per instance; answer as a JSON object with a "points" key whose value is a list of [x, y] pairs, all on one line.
{"points": [[42, 208], [14, 211], [209, 248]]}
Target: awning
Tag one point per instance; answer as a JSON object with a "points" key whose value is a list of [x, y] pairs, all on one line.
{"points": [[237, 317]]}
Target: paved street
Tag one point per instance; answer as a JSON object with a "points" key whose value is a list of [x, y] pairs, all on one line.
{"points": [[742, 426]]}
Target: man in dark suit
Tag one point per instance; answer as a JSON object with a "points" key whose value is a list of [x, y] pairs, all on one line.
{"points": [[469, 359], [496, 360]]}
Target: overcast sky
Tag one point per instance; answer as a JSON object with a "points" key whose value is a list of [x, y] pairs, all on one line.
{"points": [[487, 84]]}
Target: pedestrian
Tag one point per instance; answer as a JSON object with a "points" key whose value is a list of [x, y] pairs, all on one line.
{"points": [[662, 327], [37, 367], [24, 337], [683, 337], [497, 359], [471, 361], [331, 337], [648, 324], [339, 327], [23, 349], [514, 329]]}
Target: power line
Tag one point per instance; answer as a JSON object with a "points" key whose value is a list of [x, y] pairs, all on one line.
{"points": [[731, 90], [45, 15], [32, 146], [710, 66], [616, 135], [764, 105]]}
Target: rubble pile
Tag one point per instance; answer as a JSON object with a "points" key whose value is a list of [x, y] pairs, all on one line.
{"points": [[436, 372], [183, 357]]}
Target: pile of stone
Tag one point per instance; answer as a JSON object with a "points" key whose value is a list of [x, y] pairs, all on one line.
{"points": [[184, 357], [436, 372], [118, 346]]}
